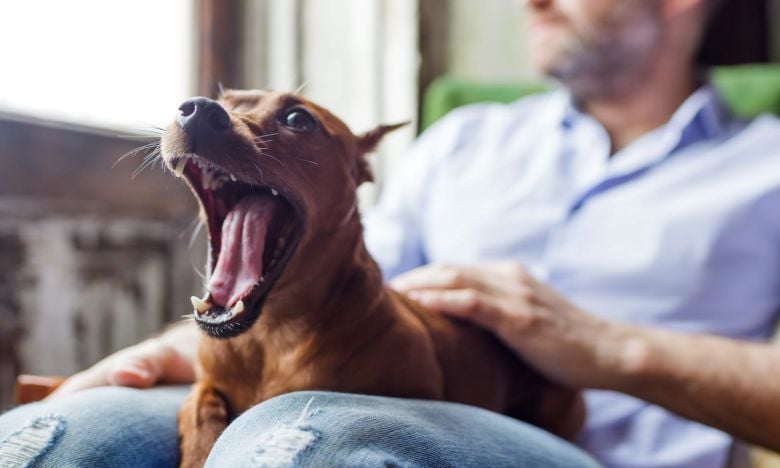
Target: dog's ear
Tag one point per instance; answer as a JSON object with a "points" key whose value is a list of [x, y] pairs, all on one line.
{"points": [[367, 142]]}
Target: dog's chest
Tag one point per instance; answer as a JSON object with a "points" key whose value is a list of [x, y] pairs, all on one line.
{"points": [[248, 373]]}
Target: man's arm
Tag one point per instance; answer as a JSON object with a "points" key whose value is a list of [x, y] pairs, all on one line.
{"points": [[167, 358], [731, 385]]}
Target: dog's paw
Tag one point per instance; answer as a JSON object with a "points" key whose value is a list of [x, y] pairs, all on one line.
{"points": [[202, 418], [212, 408]]}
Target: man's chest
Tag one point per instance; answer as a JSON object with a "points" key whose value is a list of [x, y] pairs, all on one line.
{"points": [[680, 235]]}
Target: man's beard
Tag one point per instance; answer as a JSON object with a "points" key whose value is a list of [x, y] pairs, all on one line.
{"points": [[608, 62]]}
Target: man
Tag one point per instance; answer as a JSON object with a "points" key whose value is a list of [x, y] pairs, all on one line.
{"points": [[633, 194]]}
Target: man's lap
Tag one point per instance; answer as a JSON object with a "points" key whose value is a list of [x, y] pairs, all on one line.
{"points": [[124, 427], [380, 431], [109, 426]]}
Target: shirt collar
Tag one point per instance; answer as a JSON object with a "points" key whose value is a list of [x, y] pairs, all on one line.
{"points": [[702, 116], [704, 105]]}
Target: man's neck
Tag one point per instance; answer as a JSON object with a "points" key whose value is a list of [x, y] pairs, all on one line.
{"points": [[641, 104]]}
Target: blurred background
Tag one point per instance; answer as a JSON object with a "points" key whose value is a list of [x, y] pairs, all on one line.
{"points": [[96, 255]]}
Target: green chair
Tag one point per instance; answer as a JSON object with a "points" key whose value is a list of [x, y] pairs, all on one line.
{"points": [[747, 89]]}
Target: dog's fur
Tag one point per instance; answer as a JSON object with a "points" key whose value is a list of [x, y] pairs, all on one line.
{"points": [[329, 322]]}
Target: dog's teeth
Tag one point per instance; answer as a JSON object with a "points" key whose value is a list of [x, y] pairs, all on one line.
{"points": [[274, 192], [239, 307], [180, 165], [233, 178], [207, 179], [199, 304]]}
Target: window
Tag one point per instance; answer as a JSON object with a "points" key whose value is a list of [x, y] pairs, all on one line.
{"points": [[124, 64]]}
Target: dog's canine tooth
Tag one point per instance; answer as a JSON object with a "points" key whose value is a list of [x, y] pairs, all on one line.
{"points": [[180, 165], [239, 307], [233, 178], [274, 192], [199, 304], [207, 177]]}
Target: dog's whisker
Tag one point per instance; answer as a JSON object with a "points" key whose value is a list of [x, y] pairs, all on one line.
{"points": [[300, 88], [148, 161], [152, 128], [195, 226], [150, 158], [290, 85], [260, 170], [315, 163], [200, 274], [144, 135], [265, 153], [135, 151]]}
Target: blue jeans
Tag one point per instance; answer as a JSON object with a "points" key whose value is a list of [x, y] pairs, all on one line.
{"points": [[122, 427]]}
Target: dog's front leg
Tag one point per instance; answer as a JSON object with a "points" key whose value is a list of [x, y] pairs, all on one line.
{"points": [[202, 419]]}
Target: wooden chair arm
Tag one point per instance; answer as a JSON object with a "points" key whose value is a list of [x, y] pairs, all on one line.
{"points": [[31, 388]]}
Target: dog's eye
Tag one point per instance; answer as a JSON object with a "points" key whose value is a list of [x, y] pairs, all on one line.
{"points": [[299, 120]]}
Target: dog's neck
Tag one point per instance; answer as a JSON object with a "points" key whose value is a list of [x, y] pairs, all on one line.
{"points": [[330, 283]]}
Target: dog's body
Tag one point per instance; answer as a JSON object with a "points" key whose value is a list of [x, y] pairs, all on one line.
{"points": [[329, 323]]}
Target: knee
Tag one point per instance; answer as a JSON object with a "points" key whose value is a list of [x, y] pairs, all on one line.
{"points": [[93, 425], [336, 429], [326, 429]]}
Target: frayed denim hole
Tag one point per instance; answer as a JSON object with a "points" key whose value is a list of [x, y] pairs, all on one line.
{"points": [[280, 446], [25, 446]]}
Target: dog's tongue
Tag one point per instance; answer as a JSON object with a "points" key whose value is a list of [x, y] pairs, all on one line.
{"points": [[240, 263]]}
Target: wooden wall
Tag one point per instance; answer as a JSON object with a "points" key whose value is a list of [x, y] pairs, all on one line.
{"points": [[90, 260]]}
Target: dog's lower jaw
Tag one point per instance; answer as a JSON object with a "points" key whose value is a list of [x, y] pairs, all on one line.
{"points": [[297, 326]]}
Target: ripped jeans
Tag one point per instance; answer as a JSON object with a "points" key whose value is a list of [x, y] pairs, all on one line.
{"points": [[122, 427]]}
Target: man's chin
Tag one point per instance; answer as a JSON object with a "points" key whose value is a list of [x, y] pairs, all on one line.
{"points": [[552, 64], [552, 54]]}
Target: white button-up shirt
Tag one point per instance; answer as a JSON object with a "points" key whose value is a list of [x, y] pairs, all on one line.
{"points": [[679, 230]]}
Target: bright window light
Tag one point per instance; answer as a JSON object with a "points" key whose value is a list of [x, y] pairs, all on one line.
{"points": [[125, 64]]}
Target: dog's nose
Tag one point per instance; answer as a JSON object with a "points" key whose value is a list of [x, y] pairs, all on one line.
{"points": [[201, 114]]}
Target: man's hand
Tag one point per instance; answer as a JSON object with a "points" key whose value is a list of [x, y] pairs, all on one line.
{"points": [[555, 337], [168, 358], [728, 384]]}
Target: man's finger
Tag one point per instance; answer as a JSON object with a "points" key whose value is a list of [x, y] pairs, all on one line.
{"points": [[435, 277], [469, 304], [132, 375], [81, 381]]}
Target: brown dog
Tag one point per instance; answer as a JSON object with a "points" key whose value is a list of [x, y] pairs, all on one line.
{"points": [[294, 300]]}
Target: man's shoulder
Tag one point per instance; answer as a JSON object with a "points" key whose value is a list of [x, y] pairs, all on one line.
{"points": [[758, 137], [475, 123], [766, 125], [534, 105]]}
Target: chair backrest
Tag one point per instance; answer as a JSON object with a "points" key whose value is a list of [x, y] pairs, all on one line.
{"points": [[748, 90]]}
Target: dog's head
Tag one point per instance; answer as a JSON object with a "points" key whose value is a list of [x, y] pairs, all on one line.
{"points": [[271, 171]]}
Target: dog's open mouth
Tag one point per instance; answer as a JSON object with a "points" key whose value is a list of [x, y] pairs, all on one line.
{"points": [[253, 231]]}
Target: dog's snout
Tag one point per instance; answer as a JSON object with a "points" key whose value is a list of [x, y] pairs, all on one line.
{"points": [[202, 115]]}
